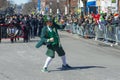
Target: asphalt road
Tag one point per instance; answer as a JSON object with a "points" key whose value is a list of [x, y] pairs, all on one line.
{"points": [[91, 60]]}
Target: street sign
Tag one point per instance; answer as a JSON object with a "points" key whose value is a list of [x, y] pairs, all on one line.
{"points": [[39, 5]]}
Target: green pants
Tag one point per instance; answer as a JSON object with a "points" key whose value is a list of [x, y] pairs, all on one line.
{"points": [[51, 51]]}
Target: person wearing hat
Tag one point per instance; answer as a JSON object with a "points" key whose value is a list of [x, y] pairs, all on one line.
{"points": [[50, 37]]}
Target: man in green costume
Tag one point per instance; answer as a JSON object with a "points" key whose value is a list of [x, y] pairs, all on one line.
{"points": [[50, 37]]}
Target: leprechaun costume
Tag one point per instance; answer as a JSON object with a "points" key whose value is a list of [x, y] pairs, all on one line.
{"points": [[50, 37], [47, 33]]}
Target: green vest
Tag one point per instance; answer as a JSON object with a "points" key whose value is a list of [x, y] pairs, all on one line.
{"points": [[53, 34]]}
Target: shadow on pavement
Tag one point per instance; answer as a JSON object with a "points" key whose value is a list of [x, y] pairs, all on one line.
{"points": [[80, 68]]}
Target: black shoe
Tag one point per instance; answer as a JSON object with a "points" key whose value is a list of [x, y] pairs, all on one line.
{"points": [[66, 67]]}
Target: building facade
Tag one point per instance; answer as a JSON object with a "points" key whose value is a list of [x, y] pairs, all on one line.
{"points": [[108, 6], [69, 6], [64, 6], [119, 6]]}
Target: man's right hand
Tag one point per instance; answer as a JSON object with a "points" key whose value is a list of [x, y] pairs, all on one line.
{"points": [[51, 39]]}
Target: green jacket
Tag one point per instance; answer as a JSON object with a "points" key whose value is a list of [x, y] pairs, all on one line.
{"points": [[46, 34]]}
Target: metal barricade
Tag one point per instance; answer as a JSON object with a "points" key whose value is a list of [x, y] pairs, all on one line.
{"points": [[80, 30], [110, 33], [100, 31], [68, 27], [74, 28], [89, 30], [117, 34], [85, 30]]}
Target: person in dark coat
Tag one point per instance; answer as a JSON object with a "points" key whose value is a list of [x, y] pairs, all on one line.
{"points": [[2, 22], [50, 37], [34, 26], [25, 32], [41, 24]]}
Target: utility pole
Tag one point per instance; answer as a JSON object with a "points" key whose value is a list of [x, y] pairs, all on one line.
{"points": [[39, 5], [58, 6], [69, 6], [118, 6], [78, 4], [51, 7]]}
